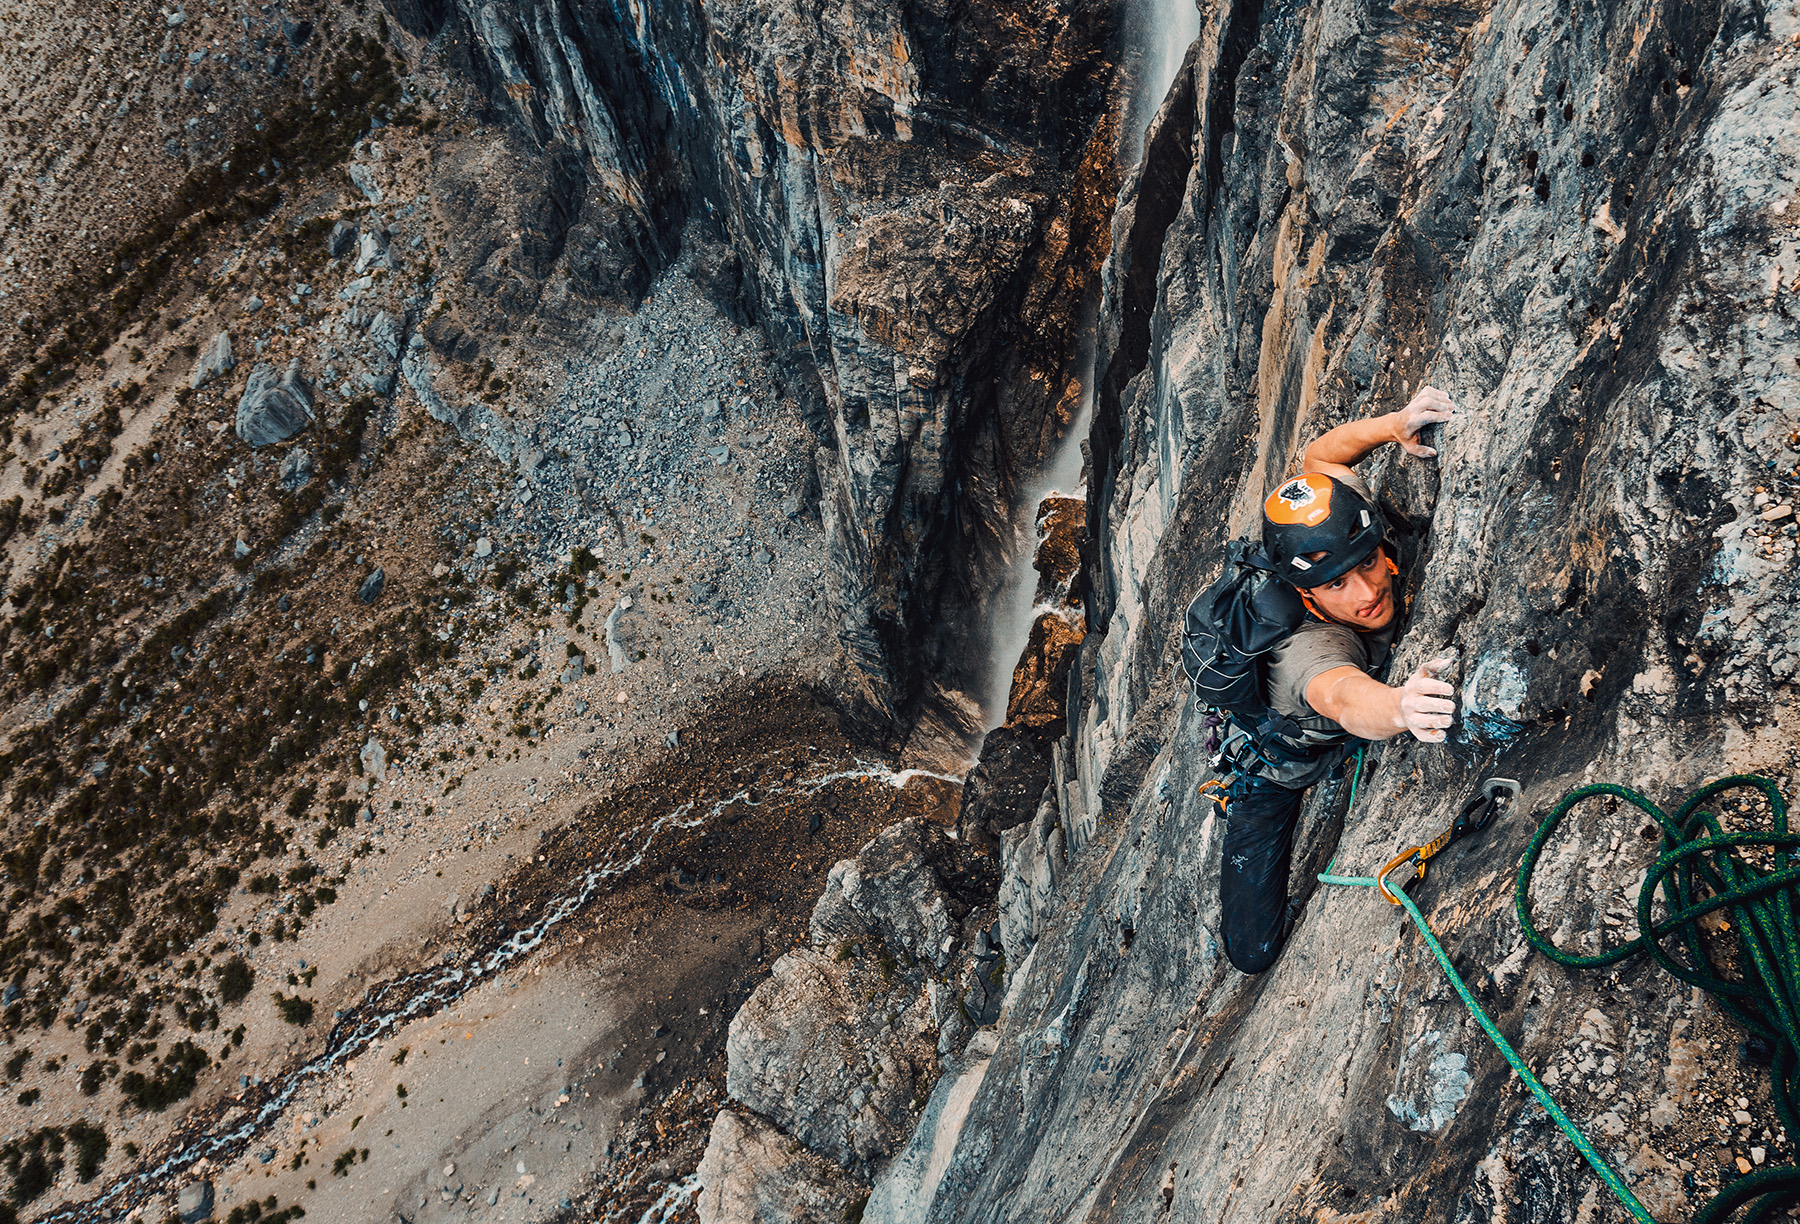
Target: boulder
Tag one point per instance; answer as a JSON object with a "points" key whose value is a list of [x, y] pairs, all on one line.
{"points": [[813, 1050], [215, 359], [374, 759], [372, 586], [274, 407], [195, 1202], [296, 469], [371, 251], [342, 240], [753, 1174], [898, 891]]}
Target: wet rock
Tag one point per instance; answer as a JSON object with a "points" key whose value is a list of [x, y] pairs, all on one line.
{"points": [[372, 586], [1041, 680], [215, 359], [195, 1202], [1004, 787], [753, 1174], [296, 469], [274, 407]]}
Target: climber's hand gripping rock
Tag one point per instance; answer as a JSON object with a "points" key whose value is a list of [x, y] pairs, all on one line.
{"points": [[1426, 707], [1429, 407]]}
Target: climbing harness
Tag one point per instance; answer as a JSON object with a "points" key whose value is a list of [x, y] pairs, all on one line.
{"points": [[1495, 795], [1698, 853]]}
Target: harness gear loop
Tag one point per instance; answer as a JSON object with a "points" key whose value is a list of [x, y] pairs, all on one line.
{"points": [[1477, 812]]}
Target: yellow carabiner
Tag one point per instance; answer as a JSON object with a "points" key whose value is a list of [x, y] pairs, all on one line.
{"points": [[1219, 798]]}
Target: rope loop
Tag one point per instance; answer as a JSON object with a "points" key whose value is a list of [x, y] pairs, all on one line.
{"points": [[1703, 870]]}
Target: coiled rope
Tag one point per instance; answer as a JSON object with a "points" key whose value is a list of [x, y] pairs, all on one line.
{"points": [[1703, 870], [1698, 855]]}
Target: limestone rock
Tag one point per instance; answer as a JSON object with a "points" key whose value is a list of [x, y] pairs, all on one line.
{"points": [[807, 1052], [274, 407], [215, 359], [754, 1174], [195, 1202], [899, 890], [1313, 233]]}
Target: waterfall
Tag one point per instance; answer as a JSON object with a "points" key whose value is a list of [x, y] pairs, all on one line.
{"points": [[1158, 34]]}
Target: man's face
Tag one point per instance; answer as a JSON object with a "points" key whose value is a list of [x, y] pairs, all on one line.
{"points": [[1363, 598]]}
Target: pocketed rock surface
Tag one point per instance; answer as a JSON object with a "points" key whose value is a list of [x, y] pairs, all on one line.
{"points": [[1579, 225]]}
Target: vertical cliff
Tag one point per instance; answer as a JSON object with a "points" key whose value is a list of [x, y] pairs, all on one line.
{"points": [[915, 198], [1580, 222]]}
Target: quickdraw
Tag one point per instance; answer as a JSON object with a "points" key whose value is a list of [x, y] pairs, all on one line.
{"points": [[1477, 811]]}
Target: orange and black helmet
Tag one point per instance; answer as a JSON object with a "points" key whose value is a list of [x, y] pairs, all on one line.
{"points": [[1315, 513]]}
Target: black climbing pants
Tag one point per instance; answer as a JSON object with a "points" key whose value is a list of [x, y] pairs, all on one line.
{"points": [[1253, 879]]}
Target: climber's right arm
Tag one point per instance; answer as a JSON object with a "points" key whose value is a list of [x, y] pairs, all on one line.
{"points": [[1371, 710]]}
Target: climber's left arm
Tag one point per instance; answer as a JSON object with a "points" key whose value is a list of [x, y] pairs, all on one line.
{"points": [[1336, 450]]}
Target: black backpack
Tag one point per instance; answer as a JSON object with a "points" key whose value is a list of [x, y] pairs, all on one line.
{"points": [[1229, 627]]}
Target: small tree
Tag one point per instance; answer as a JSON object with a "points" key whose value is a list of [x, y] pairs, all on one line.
{"points": [[235, 979]]}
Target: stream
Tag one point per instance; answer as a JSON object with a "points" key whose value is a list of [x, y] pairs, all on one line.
{"points": [[221, 1135]]}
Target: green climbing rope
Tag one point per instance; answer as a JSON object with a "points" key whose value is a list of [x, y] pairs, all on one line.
{"points": [[1703, 869], [1698, 854], [1607, 1174]]}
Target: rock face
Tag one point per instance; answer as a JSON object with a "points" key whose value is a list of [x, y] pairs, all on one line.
{"points": [[840, 1047], [1571, 221], [754, 1174], [914, 204], [898, 891], [786, 1050], [274, 408]]}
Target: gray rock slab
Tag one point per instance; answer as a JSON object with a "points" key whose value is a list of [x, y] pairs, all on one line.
{"points": [[215, 359], [274, 407], [753, 1174]]}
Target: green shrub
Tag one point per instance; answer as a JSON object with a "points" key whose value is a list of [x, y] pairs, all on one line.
{"points": [[235, 979], [294, 1009]]}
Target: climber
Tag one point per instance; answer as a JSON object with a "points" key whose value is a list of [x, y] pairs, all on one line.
{"points": [[1326, 538]]}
